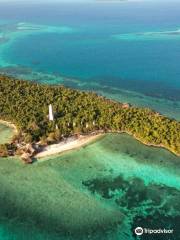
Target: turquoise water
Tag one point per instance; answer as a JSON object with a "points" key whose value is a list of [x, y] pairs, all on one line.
{"points": [[128, 52], [6, 134], [102, 191], [125, 51]]}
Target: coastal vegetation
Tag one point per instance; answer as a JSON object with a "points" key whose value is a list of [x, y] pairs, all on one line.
{"points": [[25, 104]]}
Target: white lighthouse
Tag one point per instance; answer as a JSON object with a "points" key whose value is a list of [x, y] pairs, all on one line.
{"points": [[51, 115]]}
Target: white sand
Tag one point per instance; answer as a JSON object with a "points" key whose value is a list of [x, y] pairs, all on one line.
{"points": [[69, 144]]}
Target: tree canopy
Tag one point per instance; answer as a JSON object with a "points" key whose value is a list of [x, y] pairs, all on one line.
{"points": [[26, 104]]}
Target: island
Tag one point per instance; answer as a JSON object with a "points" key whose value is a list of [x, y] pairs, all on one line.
{"points": [[43, 115]]}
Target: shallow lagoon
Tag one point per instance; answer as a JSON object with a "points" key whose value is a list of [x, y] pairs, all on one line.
{"points": [[116, 183], [101, 191], [6, 133]]}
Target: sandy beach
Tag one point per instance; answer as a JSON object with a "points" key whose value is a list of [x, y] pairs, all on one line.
{"points": [[66, 145]]}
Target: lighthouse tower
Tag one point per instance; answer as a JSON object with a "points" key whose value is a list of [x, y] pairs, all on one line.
{"points": [[51, 115]]}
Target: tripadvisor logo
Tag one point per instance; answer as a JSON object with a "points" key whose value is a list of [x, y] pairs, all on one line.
{"points": [[139, 231]]}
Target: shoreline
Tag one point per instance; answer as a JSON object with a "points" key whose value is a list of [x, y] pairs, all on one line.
{"points": [[9, 124], [149, 144], [69, 144], [72, 143]]}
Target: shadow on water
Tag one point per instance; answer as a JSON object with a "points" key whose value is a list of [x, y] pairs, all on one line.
{"points": [[70, 197], [19, 218]]}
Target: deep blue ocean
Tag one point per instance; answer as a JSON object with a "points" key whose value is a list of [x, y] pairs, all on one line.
{"points": [[127, 51], [95, 52]]}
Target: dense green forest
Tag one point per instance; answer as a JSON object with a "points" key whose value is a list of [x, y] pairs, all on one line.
{"points": [[26, 105]]}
